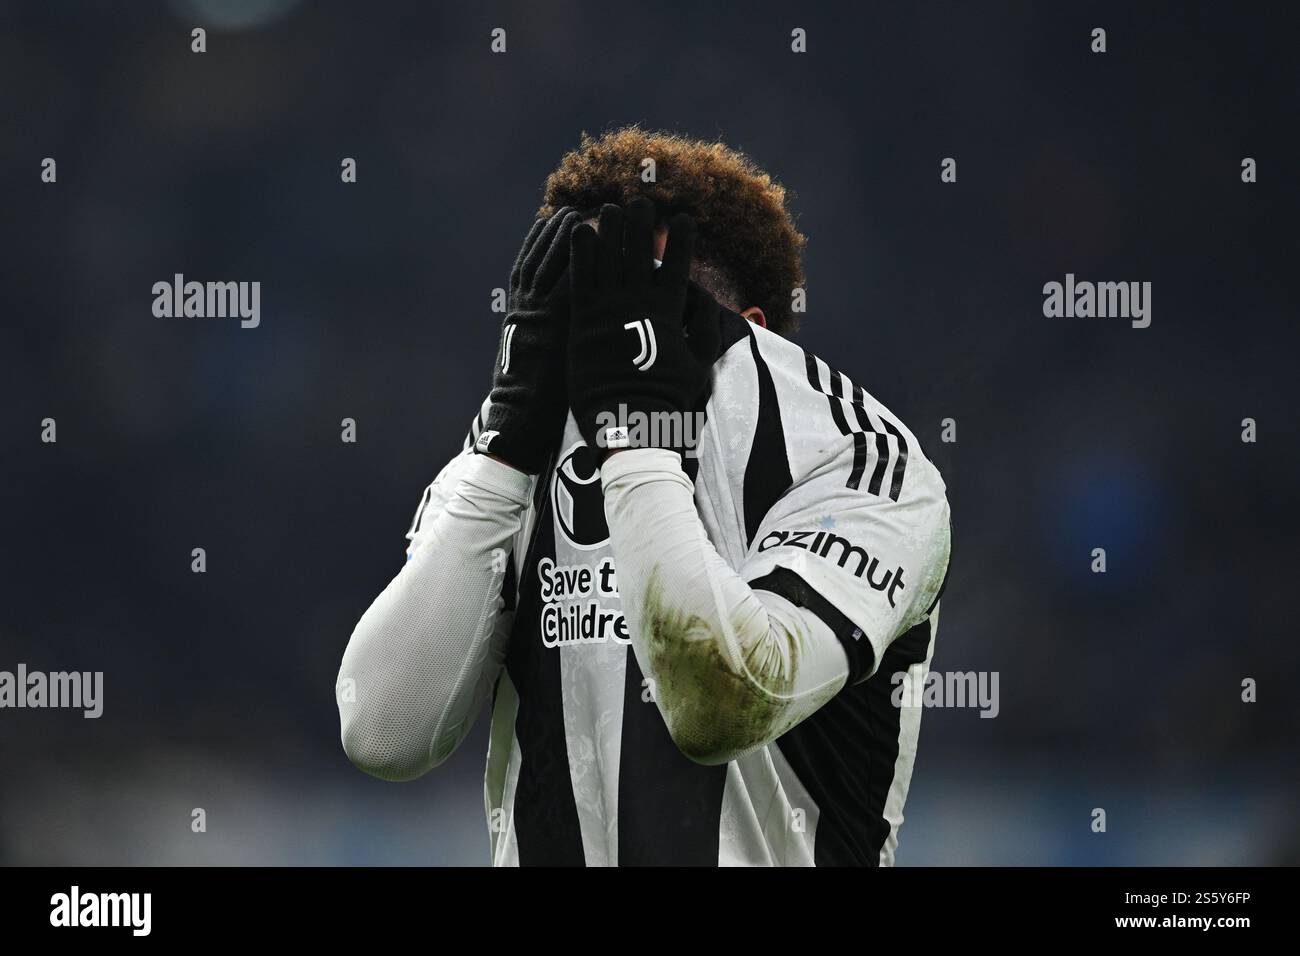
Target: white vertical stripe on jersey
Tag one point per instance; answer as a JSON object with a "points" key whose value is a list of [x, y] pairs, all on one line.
{"points": [[502, 775], [592, 677], [759, 804], [845, 389], [722, 466], [824, 374], [909, 729], [718, 511]]}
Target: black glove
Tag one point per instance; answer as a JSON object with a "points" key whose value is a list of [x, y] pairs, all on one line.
{"points": [[528, 400], [634, 345]]}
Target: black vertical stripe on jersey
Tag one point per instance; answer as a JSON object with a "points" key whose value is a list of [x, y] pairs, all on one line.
{"points": [[669, 807], [886, 722], [833, 396], [859, 460], [700, 413], [475, 427], [882, 460], [732, 327], [943, 585], [510, 585], [545, 813], [900, 463], [858, 404], [837, 413], [844, 755], [767, 473]]}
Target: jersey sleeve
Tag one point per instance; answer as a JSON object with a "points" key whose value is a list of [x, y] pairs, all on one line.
{"points": [[733, 667], [424, 656], [434, 497], [869, 566]]}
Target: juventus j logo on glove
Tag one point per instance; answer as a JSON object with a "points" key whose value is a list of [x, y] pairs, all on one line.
{"points": [[506, 336], [645, 332], [619, 286], [528, 402]]}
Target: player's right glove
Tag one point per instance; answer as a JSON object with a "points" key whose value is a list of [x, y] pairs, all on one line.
{"points": [[641, 339], [528, 397]]}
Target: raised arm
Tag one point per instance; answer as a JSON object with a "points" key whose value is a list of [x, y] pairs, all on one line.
{"points": [[734, 667], [426, 654]]}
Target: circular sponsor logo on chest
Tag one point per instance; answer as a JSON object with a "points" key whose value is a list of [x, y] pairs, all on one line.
{"points": [[577, 500]]}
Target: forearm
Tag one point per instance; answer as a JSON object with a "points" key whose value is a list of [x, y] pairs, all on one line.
{"points": [[422, 658], [733, 668]]}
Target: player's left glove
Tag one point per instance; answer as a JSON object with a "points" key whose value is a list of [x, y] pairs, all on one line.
{"points": [[528, 400], [641, 339]]}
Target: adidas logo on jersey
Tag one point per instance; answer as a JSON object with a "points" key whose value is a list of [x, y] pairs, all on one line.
{"points": [[822, 543], [484, 440]]}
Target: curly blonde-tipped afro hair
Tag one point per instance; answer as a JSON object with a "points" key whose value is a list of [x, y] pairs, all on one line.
{"points": [[747, 245]]}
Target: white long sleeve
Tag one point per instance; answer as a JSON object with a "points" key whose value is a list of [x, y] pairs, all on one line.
{"points": [[733, 667], [425, 655]]}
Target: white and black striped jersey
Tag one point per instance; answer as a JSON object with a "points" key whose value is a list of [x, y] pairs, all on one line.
{"points": [[811, 489]]}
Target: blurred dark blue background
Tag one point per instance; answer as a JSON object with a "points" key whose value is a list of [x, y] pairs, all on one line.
{"points": [[1119, 691]]}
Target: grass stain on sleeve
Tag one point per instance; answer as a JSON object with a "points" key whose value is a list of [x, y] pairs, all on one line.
{"points": [[714, 712]]}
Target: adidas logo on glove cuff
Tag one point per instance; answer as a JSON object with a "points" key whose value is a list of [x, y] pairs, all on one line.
{"points": [[616, 437]]}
